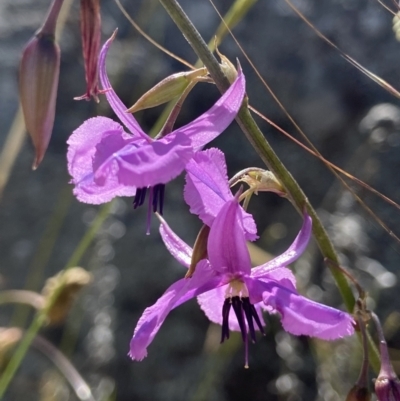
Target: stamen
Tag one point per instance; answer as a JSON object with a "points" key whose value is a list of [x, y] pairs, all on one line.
{"points": [[139, 197], [225, 319], [158, 198], [249, 317], [149, 211], [243, 310], [246, 355], [257, 319], [238, 308]]}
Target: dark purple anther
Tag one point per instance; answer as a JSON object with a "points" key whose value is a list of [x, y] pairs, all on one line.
{"points": [[244, 311]]}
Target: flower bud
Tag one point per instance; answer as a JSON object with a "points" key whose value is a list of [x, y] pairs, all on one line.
{"points": [[65, 286], [168, 89], [91, 37], [199, 250], [387, 385], [38, 81]]}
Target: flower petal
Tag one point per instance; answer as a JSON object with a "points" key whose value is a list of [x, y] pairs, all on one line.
{"points": [[150, 322], [115, 102], [214, 121], [211, 303], [291, 254], [81, 150], [176, 247], [226, 247], [145, 165], [207, 189], [301, 316]]}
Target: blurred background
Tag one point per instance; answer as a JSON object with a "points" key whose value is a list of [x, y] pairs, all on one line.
{"points": [[352, 121]]}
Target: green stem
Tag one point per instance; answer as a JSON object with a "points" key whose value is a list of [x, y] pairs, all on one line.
{"points": [[260, 144], [265, 151], [41, 317]]}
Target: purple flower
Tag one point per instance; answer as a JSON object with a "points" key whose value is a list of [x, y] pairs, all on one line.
{"points": [[207, 189], [232, 294], [105, 161]]}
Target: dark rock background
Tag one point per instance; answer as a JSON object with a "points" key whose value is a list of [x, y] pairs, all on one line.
{"points": [[351, 120]]}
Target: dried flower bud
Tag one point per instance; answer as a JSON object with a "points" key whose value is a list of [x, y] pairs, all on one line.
{"points": [[259, 181], [199, 250], [227, 67], [8, 339], [358, 393], [91, 37], [264, 181], [38, 81], [66, 286], [168, 89]]}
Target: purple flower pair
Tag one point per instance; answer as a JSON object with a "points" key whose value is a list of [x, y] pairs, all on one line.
{"points": [[105, 162], [228, 289]]}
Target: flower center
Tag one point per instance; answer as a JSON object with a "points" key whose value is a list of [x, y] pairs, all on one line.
{"points": [[156, 199], [237, 297]]}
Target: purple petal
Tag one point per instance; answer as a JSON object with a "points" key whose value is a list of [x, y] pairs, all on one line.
{"points": [[176, 247], [291, 254], [81, 150], [207, 189], [145, 165], [226, 246], [150, 322], [115, 102], [213, 122], [301, 316], [211, 303]]}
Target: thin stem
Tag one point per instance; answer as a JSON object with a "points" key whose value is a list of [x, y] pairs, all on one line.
{"points": [[363, 377], [386, 365], [41, 317], [260, 144], [49, 26], [81, 389], [20, 352], [22, 297]]}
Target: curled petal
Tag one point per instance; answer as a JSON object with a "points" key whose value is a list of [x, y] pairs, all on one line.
{"points": [[81, 151], [291, 254], [227, 250], [207, 189], [210, 124], [176, 247], [301, 316], [150, 322], [211, 303], [145, 165], [115, 102]]}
